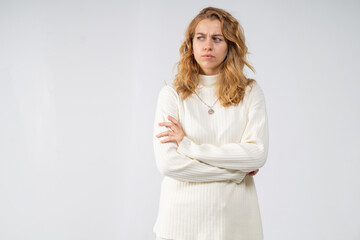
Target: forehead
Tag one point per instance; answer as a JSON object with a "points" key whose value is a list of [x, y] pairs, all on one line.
{"points": [[208, 26]]}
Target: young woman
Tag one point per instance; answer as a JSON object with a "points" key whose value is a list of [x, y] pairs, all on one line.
{"points": [[210, 137]]}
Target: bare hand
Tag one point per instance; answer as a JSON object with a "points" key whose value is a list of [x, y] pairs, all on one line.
{"points": [[253, 173], [175, 134]]}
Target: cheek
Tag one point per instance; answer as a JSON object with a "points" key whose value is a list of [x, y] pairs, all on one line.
{"points": [[221, 49], [224, 47], [224, 51], [195, 48], [197, 54]]}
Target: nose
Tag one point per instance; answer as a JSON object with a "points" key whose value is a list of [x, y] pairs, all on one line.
{"points": [[208, 45]]}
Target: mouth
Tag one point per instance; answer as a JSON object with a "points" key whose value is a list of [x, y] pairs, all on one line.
{"points": [[207, 56]]}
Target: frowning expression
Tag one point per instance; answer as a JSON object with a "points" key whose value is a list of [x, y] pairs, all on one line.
{"points": [[209, 46]]}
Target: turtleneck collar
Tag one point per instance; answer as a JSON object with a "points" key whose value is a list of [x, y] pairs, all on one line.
{"points": [[208, 80]]}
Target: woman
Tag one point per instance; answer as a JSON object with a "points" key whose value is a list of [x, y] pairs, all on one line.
{"points": [[210, 137]]}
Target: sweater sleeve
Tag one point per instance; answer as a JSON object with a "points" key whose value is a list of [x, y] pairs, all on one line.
{"points": [[248, 155], [173, 164]]}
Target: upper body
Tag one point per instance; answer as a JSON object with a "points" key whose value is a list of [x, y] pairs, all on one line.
{"points": [[205, 184]]}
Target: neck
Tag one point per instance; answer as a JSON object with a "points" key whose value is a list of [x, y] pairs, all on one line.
{"points": [[208, 80]]}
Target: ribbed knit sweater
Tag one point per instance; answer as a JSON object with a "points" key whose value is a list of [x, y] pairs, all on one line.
{"points": [[205, 193]]}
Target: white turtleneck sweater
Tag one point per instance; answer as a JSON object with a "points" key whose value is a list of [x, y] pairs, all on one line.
{"points": [[205, 193]]}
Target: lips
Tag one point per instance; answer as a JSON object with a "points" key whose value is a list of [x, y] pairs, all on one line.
{"points": [[207, 56]]}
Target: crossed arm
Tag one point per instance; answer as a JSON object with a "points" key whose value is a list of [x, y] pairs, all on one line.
{"points": [[248, 155], [172, 163]]}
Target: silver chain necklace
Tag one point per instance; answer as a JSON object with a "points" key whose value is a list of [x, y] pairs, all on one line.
{"points": [[211, 110]]}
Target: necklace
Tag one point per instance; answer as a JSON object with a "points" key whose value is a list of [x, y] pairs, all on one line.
{"points": [[211, 110]]}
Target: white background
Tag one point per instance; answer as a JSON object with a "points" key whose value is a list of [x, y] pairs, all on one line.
{"points": [[79, 82]]}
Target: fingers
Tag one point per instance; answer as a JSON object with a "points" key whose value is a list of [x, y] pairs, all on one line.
{"points": [[166, 133], [166, 124], [173, 125], [176, 134], [173, 120], [253, 173]]}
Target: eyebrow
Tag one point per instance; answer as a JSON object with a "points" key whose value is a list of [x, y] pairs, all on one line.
{"points": [[212, 35]]}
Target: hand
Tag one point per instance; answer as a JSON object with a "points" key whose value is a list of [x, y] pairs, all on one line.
{"points": [[175, 134], [253, 173]]}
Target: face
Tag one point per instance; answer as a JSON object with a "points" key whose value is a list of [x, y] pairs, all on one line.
{"points": [[209, 46]]}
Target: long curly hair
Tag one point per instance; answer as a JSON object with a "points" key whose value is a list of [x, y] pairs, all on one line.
{"points": [[233, 82]]}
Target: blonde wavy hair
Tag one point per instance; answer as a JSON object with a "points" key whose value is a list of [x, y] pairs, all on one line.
{"points": [[232, 80]]}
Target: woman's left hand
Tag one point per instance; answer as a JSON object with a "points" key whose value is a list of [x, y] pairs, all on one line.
{"points": [[175, 134], [253, 173]]}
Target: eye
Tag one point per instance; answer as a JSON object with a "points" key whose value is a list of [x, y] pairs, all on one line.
{"points": [[217, 39], [199, 37]]}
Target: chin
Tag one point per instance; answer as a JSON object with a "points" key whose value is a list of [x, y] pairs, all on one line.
{"points": [[209, 67]]}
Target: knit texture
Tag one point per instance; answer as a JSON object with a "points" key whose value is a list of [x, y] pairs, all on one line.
{"points": [[205, 193]]}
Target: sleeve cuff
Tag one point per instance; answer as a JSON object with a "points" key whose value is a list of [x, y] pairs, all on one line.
{"points": [[184, 145]]}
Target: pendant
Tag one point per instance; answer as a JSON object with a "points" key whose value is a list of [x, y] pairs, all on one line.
{"points": [[211, 111]]}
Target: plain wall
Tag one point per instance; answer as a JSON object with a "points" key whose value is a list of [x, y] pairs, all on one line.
{"points": [[79, 82]]}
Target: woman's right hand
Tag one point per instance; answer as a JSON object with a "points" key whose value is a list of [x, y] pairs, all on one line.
{"points": [[253, 173]]}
